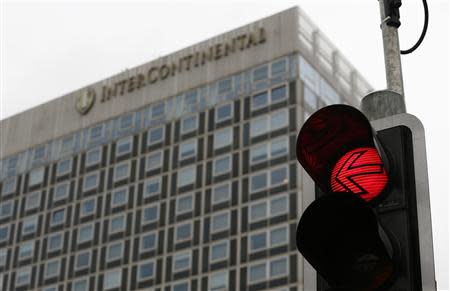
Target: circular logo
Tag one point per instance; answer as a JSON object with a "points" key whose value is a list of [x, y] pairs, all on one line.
{"points": [[85, 101]]}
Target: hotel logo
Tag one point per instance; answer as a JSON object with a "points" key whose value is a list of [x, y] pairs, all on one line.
{"points": [[85, 101]]}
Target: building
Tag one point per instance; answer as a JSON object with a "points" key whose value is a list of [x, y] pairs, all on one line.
{"points": [[179, 174]]}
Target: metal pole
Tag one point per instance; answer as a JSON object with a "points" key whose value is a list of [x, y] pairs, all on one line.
{"points": [[387, 103]]}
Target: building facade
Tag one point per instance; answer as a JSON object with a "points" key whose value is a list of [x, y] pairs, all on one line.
{"points": [[179, 174]]}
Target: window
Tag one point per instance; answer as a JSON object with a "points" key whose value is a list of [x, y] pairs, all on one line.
{"points": [[23, 276], [150, 214], [218, 281], [36, 176], [275, 237], [222, 165], [112, 279], [88, 207], [152, 187], [189, 124], [58, 217], [309, 98], [223, 138], [146, 270], [11, 166], [51, 288], [66, 144], [221, 193], [126, 121], [258, 211], [3, 257], [220, 222], [85, 233], [52, 269], [278, 176], [279, 119], [258, 182], [279, 147], [154, 161], [278, 94], [181, 261], [39, 154], [184, 286], [148, 242], [9, 186], [157, 111], [188, 149], [269, 150], [115, 251], [224, 112], [258, 242], [185, 204], [6, 209], [155, 135], [81, 285], [279, 236], [278, 267], [83, 260], [186, 176], [266, 123], [117, 224], [268, 208], [278, 67], [257, 272], [54, 242], [270, 178], [61, 191], [183, 232], [26, 250], [224, 86], [96, 132], [29, 225], [93, 156], [90, 181], [219, 251], [124, 146], [63, 167], [119, 197], [278, 206], [4, 233], [260, 100], [33, 200], [260, 73], [121, 171]]}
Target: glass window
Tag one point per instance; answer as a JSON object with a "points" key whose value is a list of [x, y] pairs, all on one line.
{"points": [[67, 144], [90, 181], [117, 224], [278, 176], [58, 217], [150, 214], [152, 187], [81, 285], [83, 260], [279, 67], [183, 232], [221, 193], [33, 200], [124, 146], [279, 147], [278, 94], [63, 167], [155, 135], [88, 207], [114, 251], [23, 276], [258, 241], [4, 233], [121, 171], [61, 191], [259, 126], [11, 166], [148, 242], [224, 112], [146, 271], [9, 186], [93, 156], [260, 100], [309, 98], [157, 110], [258, 211], [223, 138], [259, 153], [224, 86], [189, 124], [3, 257], [119, 197], [258, 182], [260, 73], [52, 269], [220, 222], [222, 165], [26, 250], [85, 233], [257, 272], [54, 242], [181, 287], [29, 224], [219, 281], [219, 251], [39, 154], [126, 121], [96, 132], [278, 206], [181, 261], [278, 236], [185, 204], [279, 119], [278, 267], [36, 176], [112, 279], [154, 161], [188, 149], [6, 209], [186, 176]]}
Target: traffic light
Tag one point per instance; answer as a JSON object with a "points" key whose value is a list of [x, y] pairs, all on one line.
{"points": [[361, 232]]}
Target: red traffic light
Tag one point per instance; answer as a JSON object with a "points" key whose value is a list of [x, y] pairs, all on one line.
{"points": [[336, 146]]}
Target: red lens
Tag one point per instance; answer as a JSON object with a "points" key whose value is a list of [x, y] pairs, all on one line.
{"points": [[360, 171]]}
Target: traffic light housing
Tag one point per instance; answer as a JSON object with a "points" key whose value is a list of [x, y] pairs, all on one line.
{"points": [[362, 231]]}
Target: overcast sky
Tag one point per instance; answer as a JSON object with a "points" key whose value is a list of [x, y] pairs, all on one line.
{"points": [[50, 48]]}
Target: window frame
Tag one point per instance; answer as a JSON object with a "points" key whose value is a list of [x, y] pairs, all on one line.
{"points": [[182, 170], [58, 172], [185, 143], [30, 218], [154, 167], [9, 181], [41, 173], [82, 227], [228, 221], [191, 232], [116, 170], [184, 130], [151, 130], [141, 238], [114, 192], [26, 269], [56, 197], [222, 158], [76, 261], [82, 202], [8, 232], [87, 162], [177, 204], [60, 243], [220, 288], [139, 270], [64, 219], [110, 259], [228, 139], [143, 220], [227, 251], [97, 182], [114, 273], [29, 196], [112, 219], [213, 193], [127, 140], [183, 254], [157, 179], [20, 257], [58, 269], [7, 205], [216, 115]]}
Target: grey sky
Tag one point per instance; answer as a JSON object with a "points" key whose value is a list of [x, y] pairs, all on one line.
{"points": [[50, 48]]}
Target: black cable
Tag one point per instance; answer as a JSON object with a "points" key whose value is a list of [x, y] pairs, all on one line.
{"points": [[424, 31]]}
